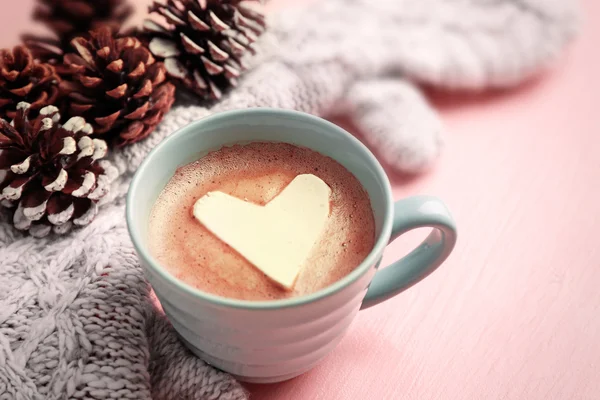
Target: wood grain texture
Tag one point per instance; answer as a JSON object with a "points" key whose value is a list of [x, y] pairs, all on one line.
{"points": [[515, 312]]}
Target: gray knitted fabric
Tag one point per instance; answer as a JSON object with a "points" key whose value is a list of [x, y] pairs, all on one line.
{"points": [[76, 316]]}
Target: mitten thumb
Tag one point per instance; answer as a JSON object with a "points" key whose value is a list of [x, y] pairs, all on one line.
{"points": [[397, 122]]}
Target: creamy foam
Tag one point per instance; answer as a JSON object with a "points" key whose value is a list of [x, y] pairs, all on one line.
{"points": [[257, 172]]}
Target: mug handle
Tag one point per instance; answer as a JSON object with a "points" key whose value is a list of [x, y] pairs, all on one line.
{"points": [[411, 213]]}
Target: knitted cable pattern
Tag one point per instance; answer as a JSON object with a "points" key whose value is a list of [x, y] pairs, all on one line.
{"points": [[76, 315]]}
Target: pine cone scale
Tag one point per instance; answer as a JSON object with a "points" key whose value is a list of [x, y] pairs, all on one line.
{"points": [[14, 190], [59, 210], [211, 67], [189, 45], [115, 66], [13, 138], [152, 26], [145, 90], [55, 183], [84, 213], [176, 69], [157, 117], [22, 91], [216, 23], [21, 167], [133, 130], [84, 53], [139, 113], [75, 62], [80, 109], [170, 16], [118, 92], [105, 123], [138, 71], [10, 75], [216, 53], [164, 48], [34, 203], [197, 23], [10, 157], [91, 81], [45, 98], [158, 74]]}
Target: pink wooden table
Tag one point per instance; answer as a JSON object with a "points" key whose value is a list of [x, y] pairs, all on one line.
{"points": [[515, 312]]}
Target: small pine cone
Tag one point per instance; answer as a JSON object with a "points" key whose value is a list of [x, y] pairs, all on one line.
{"points": [[23, 79], [205, 43], [68, 19], [52, 173], [117, 86]]}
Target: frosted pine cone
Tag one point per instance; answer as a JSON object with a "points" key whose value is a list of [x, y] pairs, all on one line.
{"points": [[206, 41], [52, 173]]}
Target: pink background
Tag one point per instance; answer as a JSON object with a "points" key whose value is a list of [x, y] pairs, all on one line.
{"points": [[515, 312]]}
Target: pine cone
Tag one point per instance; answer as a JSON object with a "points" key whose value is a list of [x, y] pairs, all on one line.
{"points": [[206, 42], [68, 19], [117, 86], [23, 79], [51, 172]]}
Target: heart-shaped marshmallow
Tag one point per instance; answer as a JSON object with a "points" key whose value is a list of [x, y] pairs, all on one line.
{"points": [[276, 238]]}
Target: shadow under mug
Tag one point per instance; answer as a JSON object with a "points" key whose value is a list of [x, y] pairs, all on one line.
{"points": [[271, 341]]}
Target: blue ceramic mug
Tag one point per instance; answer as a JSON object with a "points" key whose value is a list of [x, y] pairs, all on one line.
{"points": [[270, 341]]}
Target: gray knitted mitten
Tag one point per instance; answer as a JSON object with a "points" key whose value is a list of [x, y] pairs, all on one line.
{"points": [[363, 58], [76, 316]]}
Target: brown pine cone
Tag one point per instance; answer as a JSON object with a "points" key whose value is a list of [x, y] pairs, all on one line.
{"points": [[117, 86], [206, 41], [23, 79], [52, 173], [68, 19]]}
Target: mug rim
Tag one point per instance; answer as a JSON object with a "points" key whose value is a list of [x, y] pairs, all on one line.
{"points": [[192, 128]]}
